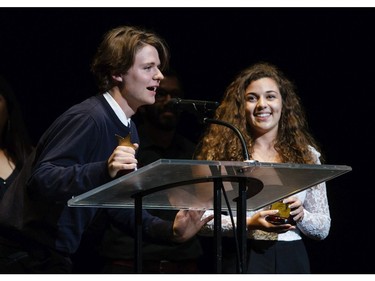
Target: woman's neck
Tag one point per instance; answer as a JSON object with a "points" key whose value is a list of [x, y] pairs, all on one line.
{"points": [[264, 150], [6, 165]]}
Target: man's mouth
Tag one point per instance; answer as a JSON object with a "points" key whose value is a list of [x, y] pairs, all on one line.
{"points": [[152, 88]]}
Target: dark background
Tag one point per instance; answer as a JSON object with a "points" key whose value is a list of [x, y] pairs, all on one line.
{"points": [[328, 53]]}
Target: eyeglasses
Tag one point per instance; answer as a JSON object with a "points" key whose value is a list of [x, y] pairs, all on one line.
{"points": [[162, 94]]}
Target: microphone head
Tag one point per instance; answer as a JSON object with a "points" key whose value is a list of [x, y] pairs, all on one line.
{"points": [[174, 101], [194, 105]]}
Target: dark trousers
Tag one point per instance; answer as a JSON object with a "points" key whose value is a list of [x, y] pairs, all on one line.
{"points": [[153, 267], [270, 257]]}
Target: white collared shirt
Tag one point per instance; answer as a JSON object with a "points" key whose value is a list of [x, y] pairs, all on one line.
{"points": [[117, 109]]}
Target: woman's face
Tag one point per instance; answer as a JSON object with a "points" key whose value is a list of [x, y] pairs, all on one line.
{"points": [[3, 113], [263, 106]]}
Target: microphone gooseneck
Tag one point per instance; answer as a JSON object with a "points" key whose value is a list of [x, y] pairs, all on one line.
{"points": [[238, 133], [200, 108]]}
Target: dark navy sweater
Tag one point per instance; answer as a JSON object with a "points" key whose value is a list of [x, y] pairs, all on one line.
{"points": [[70, 159]]}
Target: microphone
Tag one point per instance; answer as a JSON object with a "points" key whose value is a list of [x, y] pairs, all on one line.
{"points": [[194, 106]]}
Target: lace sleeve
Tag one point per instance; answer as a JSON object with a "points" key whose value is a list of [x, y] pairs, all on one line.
{"points": [[315, 224], [226, 225], [317, 220]]}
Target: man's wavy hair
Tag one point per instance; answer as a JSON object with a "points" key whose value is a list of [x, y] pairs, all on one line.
{"points": [[116, 53], [293, 138]]}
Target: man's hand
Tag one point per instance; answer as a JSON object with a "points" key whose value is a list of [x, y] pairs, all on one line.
{"points": [[122, 159], [187, 223]]}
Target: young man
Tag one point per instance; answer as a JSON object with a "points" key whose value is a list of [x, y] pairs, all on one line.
{"points": [[79, 152], [159, 139]]}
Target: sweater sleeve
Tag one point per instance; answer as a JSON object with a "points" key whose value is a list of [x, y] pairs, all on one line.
{"points": [[70, 159], [153, 227]]}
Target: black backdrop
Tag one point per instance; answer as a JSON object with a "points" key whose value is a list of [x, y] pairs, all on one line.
{"points": [[328, 52]]}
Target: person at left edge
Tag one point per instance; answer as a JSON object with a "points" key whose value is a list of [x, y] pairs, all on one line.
{"points": [[15, 143], [80, 152]]}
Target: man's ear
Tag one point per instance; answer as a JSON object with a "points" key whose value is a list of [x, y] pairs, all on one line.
{"points": [[118, 78]]}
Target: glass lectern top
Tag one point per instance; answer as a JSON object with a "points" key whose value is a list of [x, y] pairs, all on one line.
{"points": [[179, 184]]}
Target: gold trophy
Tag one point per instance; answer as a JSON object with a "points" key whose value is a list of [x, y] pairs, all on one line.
{"points": [[283, 216], [125, 141]]}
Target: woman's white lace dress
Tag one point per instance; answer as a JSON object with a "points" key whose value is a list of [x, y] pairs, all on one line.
{"points": [[316, 222]]}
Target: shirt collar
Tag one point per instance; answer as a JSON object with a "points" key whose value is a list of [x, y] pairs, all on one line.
{"points": [[117, 109]]}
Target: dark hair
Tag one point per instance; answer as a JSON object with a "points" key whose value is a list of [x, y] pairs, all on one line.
{"points": [[293, 139], [15, 140], [116, 53]]}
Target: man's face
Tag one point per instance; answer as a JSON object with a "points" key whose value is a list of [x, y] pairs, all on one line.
{"points": [[161, 114], [142, 79]]}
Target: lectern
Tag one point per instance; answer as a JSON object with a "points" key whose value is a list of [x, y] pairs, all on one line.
{"points": [[218, 185]]}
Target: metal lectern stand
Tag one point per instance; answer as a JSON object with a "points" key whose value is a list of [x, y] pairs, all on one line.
{"points": [[218, 185]]}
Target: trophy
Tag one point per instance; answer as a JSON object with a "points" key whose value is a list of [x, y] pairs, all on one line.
{"points": [[283, 216]]}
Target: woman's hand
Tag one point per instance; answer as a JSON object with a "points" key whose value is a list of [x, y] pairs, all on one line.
{"points": [[296, 207], [258, 221]]}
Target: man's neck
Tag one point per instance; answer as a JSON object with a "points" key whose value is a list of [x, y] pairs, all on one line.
{"points": [[122, 102]]}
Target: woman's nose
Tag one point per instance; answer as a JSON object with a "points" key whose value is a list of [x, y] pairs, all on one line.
{"points": [[262, 102]]}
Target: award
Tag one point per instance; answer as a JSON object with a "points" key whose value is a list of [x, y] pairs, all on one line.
{"points": [[283, 216]]}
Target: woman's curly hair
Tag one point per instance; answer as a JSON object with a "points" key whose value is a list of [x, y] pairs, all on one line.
{"points": [[293, 138]]}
